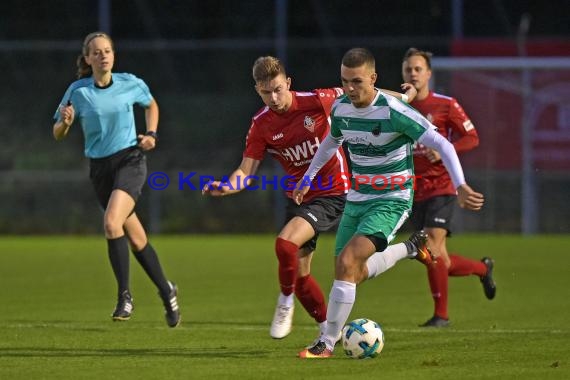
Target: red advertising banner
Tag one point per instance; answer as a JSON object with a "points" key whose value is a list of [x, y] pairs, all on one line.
{"points": [[495, 101]]}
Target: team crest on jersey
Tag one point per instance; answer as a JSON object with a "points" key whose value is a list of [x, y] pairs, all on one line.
{"points": [[309, 123], [376, 130]]}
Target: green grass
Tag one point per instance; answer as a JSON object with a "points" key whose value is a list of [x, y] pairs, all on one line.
{"points": [[57, 294]]}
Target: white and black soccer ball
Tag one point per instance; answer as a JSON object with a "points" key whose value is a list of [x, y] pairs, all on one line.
{"points": [[362, 338]]}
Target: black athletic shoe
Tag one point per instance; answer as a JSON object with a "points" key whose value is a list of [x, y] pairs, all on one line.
{"points": [[319, 350], [489, 286], [172, 312], [435, 321], [423, 253], [124, 307]]}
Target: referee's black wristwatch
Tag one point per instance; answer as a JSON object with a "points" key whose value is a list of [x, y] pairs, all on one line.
{"points": [[152, 134]]}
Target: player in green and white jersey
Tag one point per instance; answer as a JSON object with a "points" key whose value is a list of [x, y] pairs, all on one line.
{"points": [[379, 131]]}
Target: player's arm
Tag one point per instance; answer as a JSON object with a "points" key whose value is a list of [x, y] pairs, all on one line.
{"points": [[466, 196], [462, 127], [466, 142], [66, 117], [236, 182], [463, 132], [327, 149], [409, 94], [148, 140]]}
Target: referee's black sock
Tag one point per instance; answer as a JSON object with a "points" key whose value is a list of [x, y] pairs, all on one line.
{"points": [[119, 256], [148, 259]]}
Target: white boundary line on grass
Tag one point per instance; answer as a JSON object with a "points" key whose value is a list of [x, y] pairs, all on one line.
{"points": [[430, 330], [82, 325]]}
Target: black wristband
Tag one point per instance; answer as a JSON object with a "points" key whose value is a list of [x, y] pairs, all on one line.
{"points": [[152, 134]]}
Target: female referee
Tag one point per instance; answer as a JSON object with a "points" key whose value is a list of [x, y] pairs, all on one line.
{"points": [[103, 103]]}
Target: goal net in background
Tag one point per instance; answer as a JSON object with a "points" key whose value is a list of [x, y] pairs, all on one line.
{"points": [[521, 109]]}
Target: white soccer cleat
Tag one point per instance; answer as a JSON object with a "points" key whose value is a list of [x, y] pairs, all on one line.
{"points": [[282, 321]]}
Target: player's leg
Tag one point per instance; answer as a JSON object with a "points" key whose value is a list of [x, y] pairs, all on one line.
{"points": [[148, 259], [346, 229], [363, 230], [307, 289], [437, 214], [463, 266], [102, 175], [131, 177], [299, 236], [120, 205], [145, 253], [294, 234], [415, 247], [323, 213], [350, 264], [438, 277], [460, 266]]}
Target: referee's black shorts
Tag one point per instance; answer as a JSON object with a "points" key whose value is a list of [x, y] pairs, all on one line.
{"points": [[125, 170], [322, 213]]}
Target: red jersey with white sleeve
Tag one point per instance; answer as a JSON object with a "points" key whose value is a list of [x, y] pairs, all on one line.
{"points": [[293, 137], [452, 123]]}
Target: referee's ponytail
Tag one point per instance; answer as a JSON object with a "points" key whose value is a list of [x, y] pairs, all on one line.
{"points": [[83, 69]]}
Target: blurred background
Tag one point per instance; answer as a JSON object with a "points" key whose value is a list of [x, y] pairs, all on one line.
{"points": [[506, 61]]}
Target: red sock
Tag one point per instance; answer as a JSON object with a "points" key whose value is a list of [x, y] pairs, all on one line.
{"points": [[437, 276], [311, 297], [287, 256], [462, 266]]}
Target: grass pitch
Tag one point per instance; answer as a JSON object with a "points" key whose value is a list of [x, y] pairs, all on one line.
{"points": [[57, 294]]}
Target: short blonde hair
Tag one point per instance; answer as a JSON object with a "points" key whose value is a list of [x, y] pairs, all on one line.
{"points": [[267, 68]]}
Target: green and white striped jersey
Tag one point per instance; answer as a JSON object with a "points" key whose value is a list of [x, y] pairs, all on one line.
{"points": [[379, 139]]}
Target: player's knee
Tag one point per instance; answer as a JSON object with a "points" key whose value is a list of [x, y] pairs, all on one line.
{"points": [[300, 284], [286, 252], [445, 259], [112, 227], [137, 243], [345, 265]]}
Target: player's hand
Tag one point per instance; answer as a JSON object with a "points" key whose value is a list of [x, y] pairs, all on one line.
{"points": [[409, 90], [301, 189], [214, 189], [146, 142], [67, 113], [469, 198], [432, 155]]}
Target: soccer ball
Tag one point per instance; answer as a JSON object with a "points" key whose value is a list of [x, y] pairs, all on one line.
{"points": [[362, 338]]}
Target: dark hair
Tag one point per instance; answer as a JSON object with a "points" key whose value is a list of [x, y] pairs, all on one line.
{"points": [[413, 51], [267, 68], [357, 57], [83, 69]]}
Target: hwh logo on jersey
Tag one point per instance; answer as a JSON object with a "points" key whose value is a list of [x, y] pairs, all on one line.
{"points": [[301, 151]]}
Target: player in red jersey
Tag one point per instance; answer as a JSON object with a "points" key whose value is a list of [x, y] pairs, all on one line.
{"points": [[435, 196], [290, 128]]}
